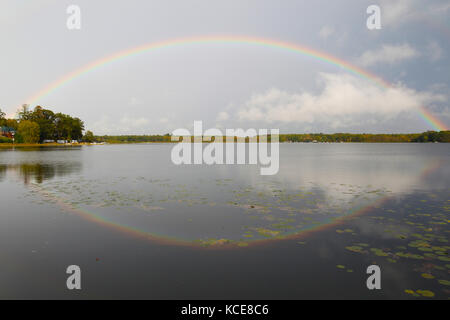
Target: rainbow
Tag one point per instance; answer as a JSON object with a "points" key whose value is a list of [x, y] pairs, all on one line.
{"points": [[426, 115]]}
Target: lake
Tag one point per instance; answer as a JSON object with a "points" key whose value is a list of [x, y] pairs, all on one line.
{"points": [[141, 227]]}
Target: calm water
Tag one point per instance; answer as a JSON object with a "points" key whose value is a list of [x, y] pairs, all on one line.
{"points": [[141, 227]]}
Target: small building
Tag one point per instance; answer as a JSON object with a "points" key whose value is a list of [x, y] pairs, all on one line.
{"points": [[7, 132]]}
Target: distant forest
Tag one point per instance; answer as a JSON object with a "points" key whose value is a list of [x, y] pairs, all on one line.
{"points": [[429, 136]]}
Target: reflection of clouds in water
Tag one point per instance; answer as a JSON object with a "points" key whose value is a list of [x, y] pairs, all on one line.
{"points": [[327, 165], [241, 212], [354, 176], [397, 175], [367, 227]]}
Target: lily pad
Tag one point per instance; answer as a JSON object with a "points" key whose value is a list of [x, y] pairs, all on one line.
{"points": [[426, 293], [444, 282]]}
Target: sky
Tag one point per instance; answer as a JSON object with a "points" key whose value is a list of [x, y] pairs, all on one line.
{"points": [[229, 85]]}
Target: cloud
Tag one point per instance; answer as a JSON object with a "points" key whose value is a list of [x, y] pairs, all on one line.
{"points": [[131, 123], [222, 116], [401, 11], [125, 125], [343, 100], [389, 54], [326, 31], [396, 11]]}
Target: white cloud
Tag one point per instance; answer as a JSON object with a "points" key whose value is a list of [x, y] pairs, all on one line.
{"points": [[344, 100], [125, 125], [222, 116], [326, 31], [389, 54], [396, 11], [130, 122]]}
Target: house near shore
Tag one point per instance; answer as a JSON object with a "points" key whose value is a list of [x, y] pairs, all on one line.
{"points": [[7, 132], [67, 141]]}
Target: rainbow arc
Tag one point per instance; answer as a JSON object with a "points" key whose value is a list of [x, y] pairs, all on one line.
{"points": [[425, 114]]}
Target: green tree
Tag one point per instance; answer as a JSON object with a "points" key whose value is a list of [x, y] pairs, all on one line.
{"points": [[2, 118], [77, 128], [29, 131], [68, 128], [45, 119], [89, 137], [24, 112], [12, 123]]}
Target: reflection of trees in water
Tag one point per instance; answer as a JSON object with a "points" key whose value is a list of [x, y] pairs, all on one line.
{"points": [[39, 171]]}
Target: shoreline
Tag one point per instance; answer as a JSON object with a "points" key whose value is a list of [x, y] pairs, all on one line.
{"points": [[25, 145], [20, 145]]}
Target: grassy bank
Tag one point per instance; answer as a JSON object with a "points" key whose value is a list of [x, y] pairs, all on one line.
{"points": [[22, 145]]}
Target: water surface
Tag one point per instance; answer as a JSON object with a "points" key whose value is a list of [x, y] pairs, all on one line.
{"points": [[141, 227]]}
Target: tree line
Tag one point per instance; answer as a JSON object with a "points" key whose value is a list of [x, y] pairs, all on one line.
{"points": [[40, 124], [133, 138], [429, 136]]}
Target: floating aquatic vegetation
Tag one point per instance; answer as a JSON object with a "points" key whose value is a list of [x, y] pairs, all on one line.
{"points": [[409, 255], [242, 244], [412, 292], [355, 249], [214, 242], [418, 293], [267, 232], [425, 293], [379, 252], [271, 211]]}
